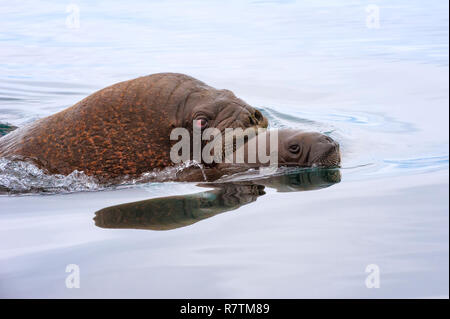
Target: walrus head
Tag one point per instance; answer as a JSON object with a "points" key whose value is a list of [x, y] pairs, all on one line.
{"points": [[309, 149], [294, 148], [220, 109], [202, 107]]}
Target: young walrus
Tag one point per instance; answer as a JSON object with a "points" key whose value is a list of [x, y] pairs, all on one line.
{"points": [[292, 148]]}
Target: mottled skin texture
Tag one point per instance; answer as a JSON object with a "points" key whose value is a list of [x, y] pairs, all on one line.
{"points": [[125, 128]]}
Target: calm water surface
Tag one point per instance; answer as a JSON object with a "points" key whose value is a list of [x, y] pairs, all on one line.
{"points": [[381, 92]]}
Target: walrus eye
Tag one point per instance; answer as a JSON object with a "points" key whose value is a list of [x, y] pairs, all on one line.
{"points": [[201, 122], [295, 148]]}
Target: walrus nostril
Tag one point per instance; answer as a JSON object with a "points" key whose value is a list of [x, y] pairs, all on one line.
{"points": [[258, 116], [336, 146], [331, 148]]}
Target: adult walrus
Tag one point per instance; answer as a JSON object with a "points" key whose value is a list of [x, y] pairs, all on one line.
{"points": [[124, 129]]}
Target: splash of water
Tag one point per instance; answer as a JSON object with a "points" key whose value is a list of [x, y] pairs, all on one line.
{"points": [[166, 174], [20, 177]]}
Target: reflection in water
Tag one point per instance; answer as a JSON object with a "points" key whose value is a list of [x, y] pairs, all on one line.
{"points": [[172, 212]]}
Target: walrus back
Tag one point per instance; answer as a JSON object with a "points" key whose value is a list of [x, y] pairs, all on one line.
{"points": [[120, 130]]}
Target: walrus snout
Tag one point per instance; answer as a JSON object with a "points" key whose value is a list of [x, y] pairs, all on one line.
{"points": [[324, 151], [251, 117], [257, 119]]}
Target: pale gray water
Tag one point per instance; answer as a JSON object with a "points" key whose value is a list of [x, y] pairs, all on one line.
{"points": [[382, 93]]}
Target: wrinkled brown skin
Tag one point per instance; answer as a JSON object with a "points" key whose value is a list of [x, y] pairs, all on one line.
{"points": [[124, 129]]}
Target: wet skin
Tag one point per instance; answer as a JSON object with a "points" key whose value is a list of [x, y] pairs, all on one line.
{"points": [[296, 148], [124, 129]]}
